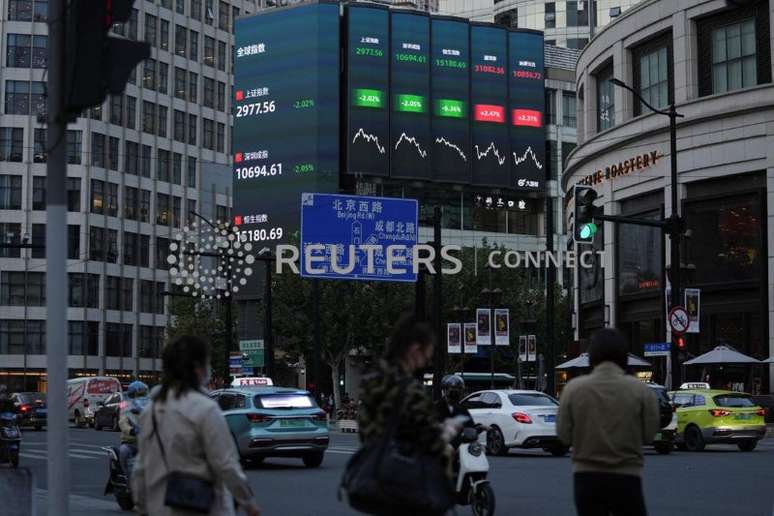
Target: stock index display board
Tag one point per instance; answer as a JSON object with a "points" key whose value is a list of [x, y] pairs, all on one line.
{"points": [[286, 119]]}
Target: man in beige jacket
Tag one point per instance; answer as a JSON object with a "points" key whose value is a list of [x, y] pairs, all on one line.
{"points": [[606, 417]]}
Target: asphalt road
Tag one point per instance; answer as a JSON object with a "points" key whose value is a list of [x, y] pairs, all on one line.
{"points": [[718, 482]]}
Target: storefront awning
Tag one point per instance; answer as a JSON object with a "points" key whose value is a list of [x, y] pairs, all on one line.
{"points": [[723, 355], [582, 362]]}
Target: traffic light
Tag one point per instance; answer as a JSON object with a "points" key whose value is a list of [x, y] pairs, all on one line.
{"points": [[680, 342], [98, 64], [584, 226]]}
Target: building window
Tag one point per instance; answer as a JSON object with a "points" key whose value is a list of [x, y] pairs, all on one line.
{"points": [[17, 97], [577, 13], [97, 196], [146, 160], [118, 340], [163, 77], [131, 32], [221, 96], [221, 138], [148, 117], [221, 56], [97, 244], [145, 205], [190, 217], [652, 75], [163, 165], [193, 87], [148, 344], [39, 193], [74, 242], [162, 128], [180, 83], [130, 203], [83, 291], [176, 206], [18, 51], [192, 129], [146, 296], [73, 194], [112, 153], [10, 192], [209, 12], [222, 213], [39, 146], [550, 15], [164, 35], [193, 45], [15, 339], [150, 29], [162, 251], [639, 256], [11, 144], [734, 49], [508, 19], [181, 39], [83, 337], [98, 150], [10, 233], [143, 250], [209, 92], [177, 168], [208, 134], [191, 175], [149, 74], [223, 14], [131, 111], [116, 109], [577, 43], [132, 158], [605, 99], [73, 147], [178, 132], [180, 6], [550, 107], [14, 293], [209, 51], [130, 248], [196, 9], [162, 209], [569, 111]]}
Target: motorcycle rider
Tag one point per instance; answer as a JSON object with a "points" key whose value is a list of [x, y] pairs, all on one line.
{"points": [[448, 407], [6, 404], [128, 422]]}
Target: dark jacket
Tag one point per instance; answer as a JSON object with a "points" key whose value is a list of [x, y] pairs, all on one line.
{"points": [[381, 399], [446, 411]]}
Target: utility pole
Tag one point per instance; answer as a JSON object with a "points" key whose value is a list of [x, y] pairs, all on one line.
{"points": [[56, 265], [550, 354], [316, 349]]}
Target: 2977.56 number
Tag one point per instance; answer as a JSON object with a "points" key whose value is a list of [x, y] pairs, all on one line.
{"points": [[259, 235], [256, 108]]}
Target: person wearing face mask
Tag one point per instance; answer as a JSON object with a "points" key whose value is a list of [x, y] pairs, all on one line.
{"points": [[396, 382], [183, 435]]}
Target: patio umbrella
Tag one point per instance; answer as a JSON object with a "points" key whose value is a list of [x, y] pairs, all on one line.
{"points": [[769, 360], [723, 355], [582, 362]]}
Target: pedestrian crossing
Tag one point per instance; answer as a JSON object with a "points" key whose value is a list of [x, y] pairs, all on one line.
{"points": [[80, 451]]}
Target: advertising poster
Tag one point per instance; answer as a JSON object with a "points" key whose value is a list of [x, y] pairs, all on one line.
{"points": [[483, 327], [502, 327], [470, 339], [692, 305], [454, 338], [522, 348], [531, 348]]}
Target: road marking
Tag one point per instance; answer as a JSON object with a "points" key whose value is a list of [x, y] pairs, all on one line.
{"points": [[31, 456]]}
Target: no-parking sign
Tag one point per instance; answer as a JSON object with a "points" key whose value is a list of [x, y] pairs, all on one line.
{"points": [[679, 320]]}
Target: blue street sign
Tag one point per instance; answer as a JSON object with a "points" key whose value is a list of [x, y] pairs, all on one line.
{"points": [[655, 349], [345, 223]]}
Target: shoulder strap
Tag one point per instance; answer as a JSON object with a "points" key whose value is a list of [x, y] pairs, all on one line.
{"points": [[158, 438]]}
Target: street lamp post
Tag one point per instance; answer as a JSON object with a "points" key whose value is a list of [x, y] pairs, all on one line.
{"points": [[492, 296], [266, 256], [674, 225]]}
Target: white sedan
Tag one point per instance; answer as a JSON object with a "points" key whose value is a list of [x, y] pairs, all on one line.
{"points": [[517, 419]]}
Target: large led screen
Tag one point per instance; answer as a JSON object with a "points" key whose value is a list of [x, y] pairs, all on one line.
{"points": [[368, 84], [450, 73], [410, 95], [286, 119], [527, 103], [489, 99]]}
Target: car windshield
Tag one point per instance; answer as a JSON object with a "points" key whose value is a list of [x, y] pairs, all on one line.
{"points": [[661, 393], [284, 401], [532, 400], [733, 400], [32, 397]]}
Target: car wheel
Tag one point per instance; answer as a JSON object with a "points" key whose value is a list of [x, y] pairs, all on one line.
{"points": [[557, 450], [693, 439], [495, 443], [748, 445], [313, 460], [663, 448], [79, 421]]}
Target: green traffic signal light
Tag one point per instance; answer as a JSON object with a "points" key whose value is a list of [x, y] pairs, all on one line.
{"points": [[588, 230]]}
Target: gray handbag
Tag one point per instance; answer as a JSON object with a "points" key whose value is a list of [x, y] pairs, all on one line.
{"points": [[184, 491]]}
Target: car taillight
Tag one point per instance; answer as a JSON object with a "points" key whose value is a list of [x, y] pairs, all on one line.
{"points": [[257, 418], [521, 417], [320, 416], [24, 408], [719, 412], [761, 412]]}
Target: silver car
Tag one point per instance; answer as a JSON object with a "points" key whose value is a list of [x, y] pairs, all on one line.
{"points": [[275, 422]]}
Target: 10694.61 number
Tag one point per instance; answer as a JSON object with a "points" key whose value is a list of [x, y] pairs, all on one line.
{"points": [[275, 169], [259, 235], [256, 108]]}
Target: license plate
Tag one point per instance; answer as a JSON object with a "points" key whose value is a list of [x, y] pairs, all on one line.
{"points": [[743, 416], [550, 419], [291, 423]]}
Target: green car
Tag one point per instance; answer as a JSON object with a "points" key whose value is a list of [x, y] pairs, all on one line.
{"points": [[706, 416], [275, 422]]}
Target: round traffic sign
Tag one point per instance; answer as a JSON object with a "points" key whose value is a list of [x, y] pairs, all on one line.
{"points": [[679, 320]]}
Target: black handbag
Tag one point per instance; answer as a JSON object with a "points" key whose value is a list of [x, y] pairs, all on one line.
{"points": [[184, 491], [387, 476]]}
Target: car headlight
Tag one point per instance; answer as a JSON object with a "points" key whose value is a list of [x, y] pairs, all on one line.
{"points": [[475, 449]]}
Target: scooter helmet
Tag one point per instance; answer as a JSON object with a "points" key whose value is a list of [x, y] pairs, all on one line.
{"points": [[453, 387], [137, 389]]}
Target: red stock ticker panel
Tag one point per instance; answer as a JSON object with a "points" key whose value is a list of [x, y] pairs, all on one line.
{"points": [[527, 117], [489, 113]]}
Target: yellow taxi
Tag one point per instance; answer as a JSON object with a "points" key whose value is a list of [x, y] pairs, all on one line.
{"points": [[707, 416]]}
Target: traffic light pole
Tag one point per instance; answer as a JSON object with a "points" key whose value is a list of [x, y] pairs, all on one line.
{"points": [[674, 239], [56, 265]]}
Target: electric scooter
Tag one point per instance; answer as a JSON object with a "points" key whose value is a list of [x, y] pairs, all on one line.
{"points": [[472, 485], [118, 482]]}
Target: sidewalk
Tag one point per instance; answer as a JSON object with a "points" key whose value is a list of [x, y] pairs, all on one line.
{"points": [[79, 505]]}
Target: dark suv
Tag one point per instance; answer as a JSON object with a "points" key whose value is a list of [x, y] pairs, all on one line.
{"points": [[30, 409], [665, 437]]}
